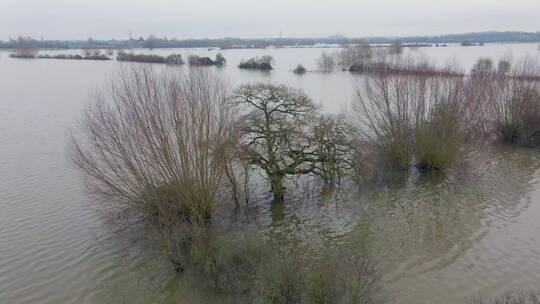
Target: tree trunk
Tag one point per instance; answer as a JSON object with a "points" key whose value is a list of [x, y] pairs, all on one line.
{"points": [[277, 188], [229, 173]]}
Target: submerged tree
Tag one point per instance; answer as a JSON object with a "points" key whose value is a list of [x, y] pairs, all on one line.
{"points": [[282, 136], [275, 127], [220, 60]]}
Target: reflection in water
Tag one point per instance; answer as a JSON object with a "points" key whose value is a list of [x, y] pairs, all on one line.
{"points": [[422, 230], [418, 228]]}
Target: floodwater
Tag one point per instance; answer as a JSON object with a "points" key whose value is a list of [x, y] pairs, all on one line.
{"points": [[472, 232]]}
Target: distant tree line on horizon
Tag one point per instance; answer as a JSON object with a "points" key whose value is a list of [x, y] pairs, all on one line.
{"points": [[232, 42]]}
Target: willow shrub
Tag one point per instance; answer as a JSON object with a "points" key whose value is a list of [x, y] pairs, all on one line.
{"points": [[383, 105], [441, 122], [415, 119], [516, 104], [152, 141]]}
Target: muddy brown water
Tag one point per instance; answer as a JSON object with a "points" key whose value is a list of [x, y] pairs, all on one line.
{"points": [[437, 239]]}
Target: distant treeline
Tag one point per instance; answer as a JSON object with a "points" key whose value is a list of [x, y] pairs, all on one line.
{"points": [[230, 42]]}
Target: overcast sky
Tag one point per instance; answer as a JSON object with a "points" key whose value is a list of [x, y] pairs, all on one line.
{"points": [[104, 19]]}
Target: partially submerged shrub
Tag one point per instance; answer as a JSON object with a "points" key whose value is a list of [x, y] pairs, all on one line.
{"points": [[281, 279], [384, 109], [504, 66], [24, 50], [274, 133], [517, 111], [354, 54], [140, 58], [421, 117], [335, 143], [482, 68], [531, 297], [270, 272], [283, 137], [227, 260], [300, 69], [440, 122], [150, 142], [344, 275], [173, 59], [75, 57], [511, 99], [258, 63], [220, 60], [410, 65], [195, 60]]}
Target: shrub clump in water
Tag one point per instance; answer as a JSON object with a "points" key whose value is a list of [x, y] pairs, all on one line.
{"points": [[150, 143], [173, 59], [195, 60], [531, 297], [300, 69], [75, 57], [515, 99], [263, 63], [267, 272], [414, 119]]}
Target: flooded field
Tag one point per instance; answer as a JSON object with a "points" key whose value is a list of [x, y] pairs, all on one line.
{"points": [[437, 239]]}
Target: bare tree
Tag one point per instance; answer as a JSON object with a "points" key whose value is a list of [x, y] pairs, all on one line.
{"points": [[354, 54], [326, 62], [336, 147], [396, 48], [154, 140], [275, 125]]}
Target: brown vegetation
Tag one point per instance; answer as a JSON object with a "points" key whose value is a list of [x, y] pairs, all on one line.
{"points": [[24, 51], [282, 136], [263, 63], [420, 117], [531, 297], [195, 60], [514, 102], [173, 59]]}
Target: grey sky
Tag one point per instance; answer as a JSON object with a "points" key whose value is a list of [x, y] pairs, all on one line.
{"points": [[74, 19]]}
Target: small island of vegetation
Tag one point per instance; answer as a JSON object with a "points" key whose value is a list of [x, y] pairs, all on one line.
{"points": [[175, 59], [263, 63]]}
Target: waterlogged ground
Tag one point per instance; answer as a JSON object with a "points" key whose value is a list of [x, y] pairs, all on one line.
{"points": [[437, 239]]}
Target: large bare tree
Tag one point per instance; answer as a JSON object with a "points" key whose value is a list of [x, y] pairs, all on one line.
{"points": [[286, 135]]}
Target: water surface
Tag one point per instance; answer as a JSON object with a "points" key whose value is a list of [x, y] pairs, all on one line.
{"points": [[438, 239]]}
